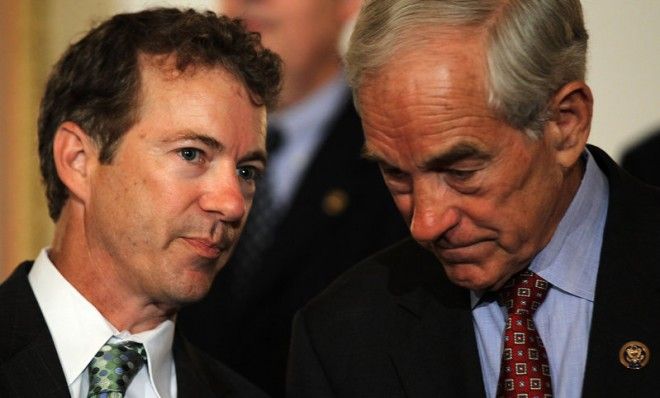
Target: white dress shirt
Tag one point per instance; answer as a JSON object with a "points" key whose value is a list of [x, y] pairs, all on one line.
{"points": [[79, 331]]}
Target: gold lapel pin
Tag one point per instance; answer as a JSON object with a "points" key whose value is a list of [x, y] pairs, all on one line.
{"points": [[634, 355], [335, 202]]}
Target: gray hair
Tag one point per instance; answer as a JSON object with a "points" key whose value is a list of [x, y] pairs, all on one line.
{"points": [[534, 47]]}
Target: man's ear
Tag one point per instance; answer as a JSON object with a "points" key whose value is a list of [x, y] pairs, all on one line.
{"points": [[571, 109], [75, 157]]}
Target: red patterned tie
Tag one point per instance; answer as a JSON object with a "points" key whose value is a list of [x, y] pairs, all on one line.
{"points": [[525, 372]]}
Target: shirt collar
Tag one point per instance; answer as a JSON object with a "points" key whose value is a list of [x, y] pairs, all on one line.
{"points": [[570, 260], [78, 329], [309, 116]]}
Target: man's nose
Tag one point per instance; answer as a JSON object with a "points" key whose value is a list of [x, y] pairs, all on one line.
{"points": [[433, 213], [223, 195]]}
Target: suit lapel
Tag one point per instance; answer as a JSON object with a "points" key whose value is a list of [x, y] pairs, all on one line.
{"points": [[29, 365], [191, 376], [36, 371], [627, 300], [438, 355]]}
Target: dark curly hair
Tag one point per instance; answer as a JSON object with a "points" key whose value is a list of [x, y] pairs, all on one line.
{"points": [[96, 83]]}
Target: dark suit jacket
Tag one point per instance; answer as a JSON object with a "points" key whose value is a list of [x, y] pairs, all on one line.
{"points": [[395, 326], [250, 332], [643, 160], [30, 367]]}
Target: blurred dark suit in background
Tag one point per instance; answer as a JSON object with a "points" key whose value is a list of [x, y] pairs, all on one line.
{"points": [[643, 159]]}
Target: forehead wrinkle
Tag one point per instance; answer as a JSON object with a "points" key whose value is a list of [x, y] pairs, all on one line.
{"points": [[396, 132], [411, 100], [453, 154], [436, 104], [387, 148], [458, 124]]}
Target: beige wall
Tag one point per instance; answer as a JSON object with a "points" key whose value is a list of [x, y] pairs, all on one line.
{"points": [[23, 218], [624, 70]]}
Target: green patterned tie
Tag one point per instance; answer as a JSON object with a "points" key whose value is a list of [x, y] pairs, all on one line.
{"points": [[112, 369]]}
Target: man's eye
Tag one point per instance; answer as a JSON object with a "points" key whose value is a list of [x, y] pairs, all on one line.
{"points": [[248, 173], [461, 174], [190, 154], [393, 173], [396, 180]]}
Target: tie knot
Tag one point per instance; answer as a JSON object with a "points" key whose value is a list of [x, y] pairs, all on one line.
{"points": [[524, 293], [113, 367]]}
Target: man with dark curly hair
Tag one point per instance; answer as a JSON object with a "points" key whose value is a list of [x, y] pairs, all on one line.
{"points": [[151, 142]]}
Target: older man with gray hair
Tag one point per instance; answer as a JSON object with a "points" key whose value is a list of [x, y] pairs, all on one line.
{"points": [[541, 270]]}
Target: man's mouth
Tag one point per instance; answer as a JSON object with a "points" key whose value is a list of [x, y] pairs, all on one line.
{"points": [[460, 252], [445, 245], [206, 248]]}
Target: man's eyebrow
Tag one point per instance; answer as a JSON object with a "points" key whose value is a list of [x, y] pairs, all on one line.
{"points": [[188, 135], [367, 154], [258, 155], [455, 154], [371, 156]]}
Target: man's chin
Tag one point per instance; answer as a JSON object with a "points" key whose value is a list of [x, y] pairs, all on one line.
{"points": [[476, 276], [193, 286], [188, 296], [468, 275]]}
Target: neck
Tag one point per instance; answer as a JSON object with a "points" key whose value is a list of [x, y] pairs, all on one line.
{"points": [[574, 178], [84, 266]]}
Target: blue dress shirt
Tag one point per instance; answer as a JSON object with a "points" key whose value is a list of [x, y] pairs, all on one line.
{"points": [[570, 264]]}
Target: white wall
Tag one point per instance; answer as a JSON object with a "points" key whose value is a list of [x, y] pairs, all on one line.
{"points": [[623, 70]]}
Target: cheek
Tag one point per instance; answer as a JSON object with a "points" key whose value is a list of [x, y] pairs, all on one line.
{"points": [[505, 210], [520, 218], [168, 211], [142, 202], [112, 195]]}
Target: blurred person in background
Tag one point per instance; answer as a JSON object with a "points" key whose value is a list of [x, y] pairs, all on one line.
{"points": [[643, 159], [323, 209], [151, 139]]}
